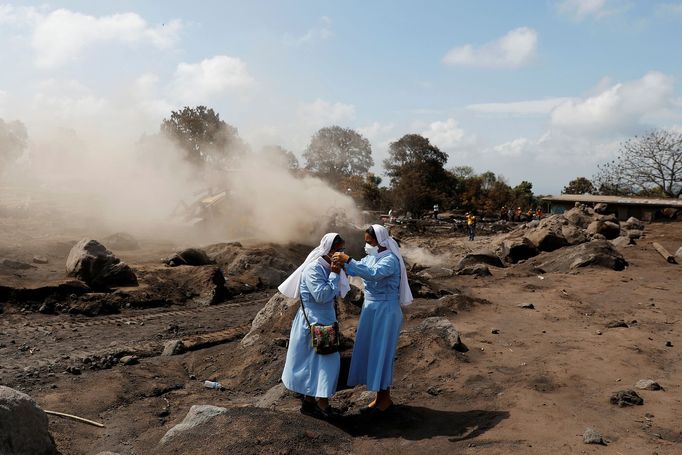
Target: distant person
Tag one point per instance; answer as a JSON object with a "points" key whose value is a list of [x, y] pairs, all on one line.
{"points": [[386, 289], [538, 213], [390, 215], [503, 214], [510, 214], [471, 225], [529, 214], [436, 210], [317, 283], [517, 214]]}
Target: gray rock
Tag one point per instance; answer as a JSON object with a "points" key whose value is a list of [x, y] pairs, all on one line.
{"points": [[272, 396], [598, 237], [609, 229], [625, 398], [617, 323], [600, 208], [548, 235], [592, 436], [444, 329], [477, 270], [578, 217], [528, 306], [92, 263], [648, 384], [574, 235], [40, 260], [598, 253], [173, 347], [23, 425], [480, 257], [518, 249], [189, 256], [622, 242], [634, 234], [634, 223], [275, 316], [128, 360], [197, 415]]}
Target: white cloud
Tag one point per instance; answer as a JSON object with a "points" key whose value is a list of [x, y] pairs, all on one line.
{"points": [[515, 49], [376, 131], [581, 9], [514, 148], [59, 36], [617, 109], [320, 32], [669, 8], [324, 113], [519, 108], [67, 100], [211, 77]]}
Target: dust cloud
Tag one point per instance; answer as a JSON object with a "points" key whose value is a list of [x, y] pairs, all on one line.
{"points": [[423, 257], [93, 183]]}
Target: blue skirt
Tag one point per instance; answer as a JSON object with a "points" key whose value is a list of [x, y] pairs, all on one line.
{"points": [[305, 371], [376, 341]]}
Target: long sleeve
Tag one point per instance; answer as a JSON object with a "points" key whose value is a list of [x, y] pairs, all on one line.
{"points": [[322, 288], [386, 266]]}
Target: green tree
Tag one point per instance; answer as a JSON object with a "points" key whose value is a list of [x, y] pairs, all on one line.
{"points": [[523, 195], [418, 179], [335, 153], [579, 185], [203, 135]]}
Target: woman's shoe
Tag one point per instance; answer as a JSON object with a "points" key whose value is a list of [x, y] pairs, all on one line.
{"points": [[313, 410], [308, 407]]}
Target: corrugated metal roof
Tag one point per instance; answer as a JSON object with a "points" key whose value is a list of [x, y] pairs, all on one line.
{"points": [[591, 198]]}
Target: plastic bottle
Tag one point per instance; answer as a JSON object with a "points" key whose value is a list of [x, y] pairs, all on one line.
{"points": [[213, 385]]}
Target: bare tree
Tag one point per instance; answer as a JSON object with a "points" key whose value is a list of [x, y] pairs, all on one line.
{"points": [[335, 153], [650, 164]]}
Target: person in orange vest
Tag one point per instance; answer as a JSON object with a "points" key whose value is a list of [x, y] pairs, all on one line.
{"points": [[538, 213], [529, 214]]}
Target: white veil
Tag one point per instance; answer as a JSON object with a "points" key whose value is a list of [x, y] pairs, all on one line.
{"points": [[387, 241], [291, 287]]}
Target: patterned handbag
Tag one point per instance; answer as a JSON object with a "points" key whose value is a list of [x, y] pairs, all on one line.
{"points": [[325, 338]]}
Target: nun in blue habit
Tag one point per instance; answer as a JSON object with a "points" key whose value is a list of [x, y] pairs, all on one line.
{"points": [[317, 282], [386, 289]]}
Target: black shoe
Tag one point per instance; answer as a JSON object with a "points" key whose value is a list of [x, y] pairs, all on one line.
{"points": [[313, 410], [307, 406]]}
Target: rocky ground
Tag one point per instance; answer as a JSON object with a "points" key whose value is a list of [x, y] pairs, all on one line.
{"points": [[522, 354]]}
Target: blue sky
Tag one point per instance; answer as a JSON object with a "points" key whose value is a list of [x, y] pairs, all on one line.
{"points": [[533, 90]]}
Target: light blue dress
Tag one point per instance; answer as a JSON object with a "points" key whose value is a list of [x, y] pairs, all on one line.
{"points": [[305, 371], [376, 339]]}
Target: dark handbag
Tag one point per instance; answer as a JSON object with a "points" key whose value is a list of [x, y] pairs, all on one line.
{"points": [[325, 338]]}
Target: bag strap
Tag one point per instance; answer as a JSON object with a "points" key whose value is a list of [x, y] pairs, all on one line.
{"points": [[310, 326]]}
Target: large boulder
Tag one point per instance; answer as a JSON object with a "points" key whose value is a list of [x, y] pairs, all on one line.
{"points": [[518, 249], [573, 234], [548, 235], [442, 328], [121, 241], [597, 253], [273, 320], [480, 257], [609, 229], [23, 425], [93, 263], [578, 216], [189, 256], [475, 270], [601, 208], [197, 415]]}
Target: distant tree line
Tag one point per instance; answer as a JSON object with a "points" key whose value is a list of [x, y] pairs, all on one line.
{"points": [[418, 178]]}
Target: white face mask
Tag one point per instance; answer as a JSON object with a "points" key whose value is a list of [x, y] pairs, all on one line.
{"points": [[371, 250]]}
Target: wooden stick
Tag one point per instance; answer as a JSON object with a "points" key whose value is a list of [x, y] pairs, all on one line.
{"points": [[80, 419], [665, 253]]}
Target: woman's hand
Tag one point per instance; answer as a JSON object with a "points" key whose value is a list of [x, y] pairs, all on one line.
{"points": [[336, 267], [340, 257]]}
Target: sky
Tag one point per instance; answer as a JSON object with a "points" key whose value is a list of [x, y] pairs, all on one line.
{"points": [[538, 90]]}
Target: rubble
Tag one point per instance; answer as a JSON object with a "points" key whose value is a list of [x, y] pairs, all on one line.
{"points": [[592, 436], [189, 256], [445, 330], [625, 398], [197, 415]]}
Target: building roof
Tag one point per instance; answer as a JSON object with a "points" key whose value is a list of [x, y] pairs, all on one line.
{"points": [[591, 198]]}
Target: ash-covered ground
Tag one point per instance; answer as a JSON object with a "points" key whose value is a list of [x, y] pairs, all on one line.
{"points": [[516, 343]]}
